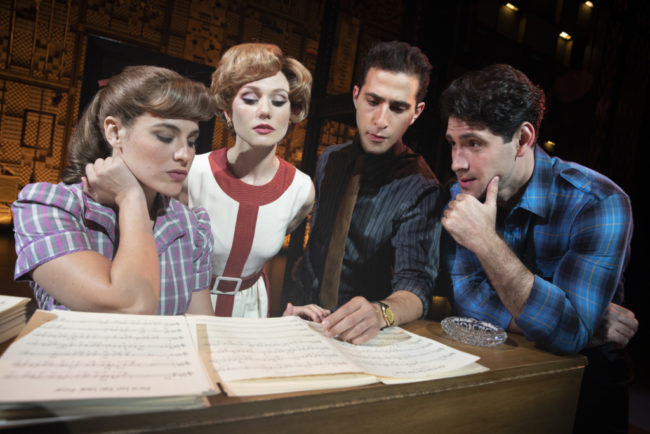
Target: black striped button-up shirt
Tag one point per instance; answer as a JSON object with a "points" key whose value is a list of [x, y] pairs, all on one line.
{"points": [[394, 234]]}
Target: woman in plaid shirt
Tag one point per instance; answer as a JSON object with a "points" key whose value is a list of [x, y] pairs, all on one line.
{"points": [[109, 238]]}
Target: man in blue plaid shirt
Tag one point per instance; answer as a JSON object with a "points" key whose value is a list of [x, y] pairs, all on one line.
{"points": [[533, 243]]}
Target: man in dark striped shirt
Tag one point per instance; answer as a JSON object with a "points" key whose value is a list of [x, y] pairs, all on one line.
{"points": [[390, 251]]}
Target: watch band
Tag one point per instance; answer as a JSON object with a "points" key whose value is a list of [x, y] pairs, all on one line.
{"points": [[387, 313]]}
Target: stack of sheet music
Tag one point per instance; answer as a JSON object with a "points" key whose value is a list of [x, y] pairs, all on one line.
{"points": [[12, 316], [62, 358]]}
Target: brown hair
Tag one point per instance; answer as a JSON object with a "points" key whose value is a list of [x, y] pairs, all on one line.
{"points": [[136, 90], [245, 63]]}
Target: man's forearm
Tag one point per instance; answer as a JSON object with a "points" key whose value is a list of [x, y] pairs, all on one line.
{"points": [[472, 225], [360, 320], [507, 274], [405, 305]]}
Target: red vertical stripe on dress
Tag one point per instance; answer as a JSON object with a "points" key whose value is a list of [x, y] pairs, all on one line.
{"points": [[250, 198], [244, 234]]}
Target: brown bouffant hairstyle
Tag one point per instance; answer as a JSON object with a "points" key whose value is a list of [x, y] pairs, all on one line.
{"points": [[246, 63], [133, 92]]}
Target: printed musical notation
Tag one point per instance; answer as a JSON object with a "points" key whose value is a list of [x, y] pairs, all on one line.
{"points": [[277, 347], [242, 349], [415, 357], [76, 355], [80, 355]]}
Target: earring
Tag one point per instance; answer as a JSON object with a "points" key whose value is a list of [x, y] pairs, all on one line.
{"points": [[229, 123]]}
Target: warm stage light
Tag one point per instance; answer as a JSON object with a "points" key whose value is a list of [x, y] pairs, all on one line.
{"points": [[549, 145], [512, 7], [565, 36], [589, 4]]}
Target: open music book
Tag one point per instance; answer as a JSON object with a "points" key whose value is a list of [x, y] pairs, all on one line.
{"points": [[66, 355], [276, 355]]}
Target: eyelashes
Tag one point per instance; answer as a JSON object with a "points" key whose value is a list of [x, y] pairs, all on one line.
{"points": [[395, 108], [254, 100], [168, 139]]}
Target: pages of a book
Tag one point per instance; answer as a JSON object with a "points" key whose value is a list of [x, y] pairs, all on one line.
{"points": [[74, 356], [396, 354], [66, 355], [253, 356], [12, 316], [272, 355], [269, 386], [244, 349], [472, 368], [8, 302]]}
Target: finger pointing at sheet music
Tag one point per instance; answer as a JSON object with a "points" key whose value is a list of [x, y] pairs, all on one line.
{"points": [[357, 321]]}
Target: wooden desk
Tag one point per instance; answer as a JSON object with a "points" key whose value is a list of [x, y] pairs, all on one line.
{"points": [[526, 390]]}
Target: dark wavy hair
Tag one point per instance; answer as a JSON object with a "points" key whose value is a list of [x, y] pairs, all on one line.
{"points": [[498, 97], [396, 56], [136, 90]]}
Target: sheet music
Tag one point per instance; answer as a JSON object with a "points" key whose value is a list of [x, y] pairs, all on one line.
{"points": [[243, 348], [9, 301], [80, 355], [396, 353]]}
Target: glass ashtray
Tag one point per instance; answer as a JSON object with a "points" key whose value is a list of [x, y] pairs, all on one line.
{"points": [[474, 332]]}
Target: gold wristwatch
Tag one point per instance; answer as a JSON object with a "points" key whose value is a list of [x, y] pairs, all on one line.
{"points": [[387, 313]]}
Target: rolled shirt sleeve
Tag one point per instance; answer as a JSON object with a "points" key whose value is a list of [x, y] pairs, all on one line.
{"points": [[563, 311]]}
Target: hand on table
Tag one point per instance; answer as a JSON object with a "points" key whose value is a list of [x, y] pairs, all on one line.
{"points": [[617, 325], [357, 321]]}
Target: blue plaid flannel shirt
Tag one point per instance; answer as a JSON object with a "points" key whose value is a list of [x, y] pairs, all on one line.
{"points": [[572, 228]]}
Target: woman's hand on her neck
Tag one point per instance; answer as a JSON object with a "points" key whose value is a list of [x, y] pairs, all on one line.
{"points": [[109, 181], [128, 283]]}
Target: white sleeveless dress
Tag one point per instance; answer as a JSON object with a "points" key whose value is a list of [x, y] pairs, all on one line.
{"points": [[248, 223]]}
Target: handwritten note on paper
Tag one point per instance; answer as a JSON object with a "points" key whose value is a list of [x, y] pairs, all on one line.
{"points": [[415, 357], [80, 355], [273, 347]]}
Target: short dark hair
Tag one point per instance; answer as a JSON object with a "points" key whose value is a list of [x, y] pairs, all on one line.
{"points": [[398, 56], [498, 97]]}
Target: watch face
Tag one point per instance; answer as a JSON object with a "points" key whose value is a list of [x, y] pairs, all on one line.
{"points": [[387, 313], [389, 316]]}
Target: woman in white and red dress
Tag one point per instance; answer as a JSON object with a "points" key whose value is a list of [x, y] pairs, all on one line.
{"points": [[253, 197]]}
